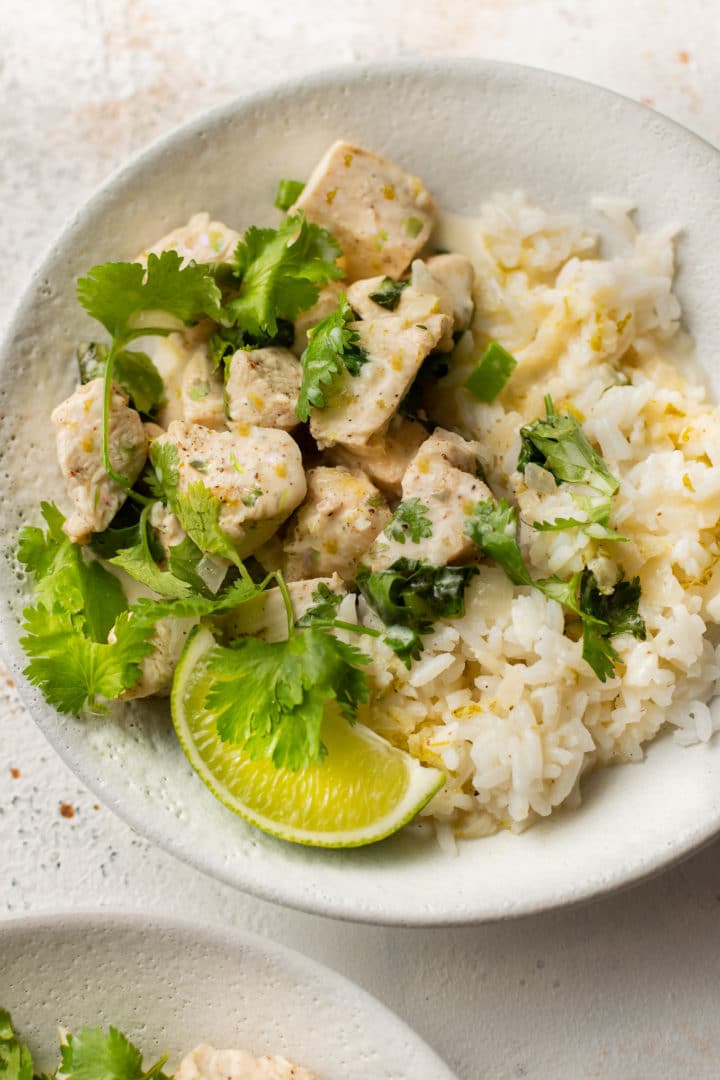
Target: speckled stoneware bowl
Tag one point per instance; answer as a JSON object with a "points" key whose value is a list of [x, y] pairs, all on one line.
{"points": [[170, 985], [469, 128]]}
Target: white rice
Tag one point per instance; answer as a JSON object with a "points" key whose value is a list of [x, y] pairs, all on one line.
{"points": [[501, 699]]}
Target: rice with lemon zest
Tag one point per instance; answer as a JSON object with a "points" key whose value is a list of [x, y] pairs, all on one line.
{"points": [[501, 698]]}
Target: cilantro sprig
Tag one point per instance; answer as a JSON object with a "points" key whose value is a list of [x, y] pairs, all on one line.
{"points": [[280, 272], [89, 1055], [493, 526], [119, 295], [332, 348]]}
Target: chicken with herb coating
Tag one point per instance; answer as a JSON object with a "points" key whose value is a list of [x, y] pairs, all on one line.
{"points": [[341, 516], [95, 496], [257, 477]]}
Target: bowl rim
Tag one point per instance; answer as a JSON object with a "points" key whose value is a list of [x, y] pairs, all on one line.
{"points": [[226, 938], [619, 876]]}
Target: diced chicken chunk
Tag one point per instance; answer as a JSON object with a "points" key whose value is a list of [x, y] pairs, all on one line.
{"points": [[206, 1063], [380, 215], [201, 391], [95, 496], [264, 616], [158, 667], [201, 239], [262, 388], [384, 458], [442, 476], [415, 305], [453, 278], [325, 304], [257, 477], [362, 405], [341, 516]]}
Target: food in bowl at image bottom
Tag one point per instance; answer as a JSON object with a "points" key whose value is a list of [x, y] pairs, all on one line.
{"points": [[93, 1053], [418, 515]]}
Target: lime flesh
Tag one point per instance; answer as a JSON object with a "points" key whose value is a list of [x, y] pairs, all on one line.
{"points": [[364, 790]]}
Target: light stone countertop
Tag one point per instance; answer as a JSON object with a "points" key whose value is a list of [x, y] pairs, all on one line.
{"points": [[621, 990]]}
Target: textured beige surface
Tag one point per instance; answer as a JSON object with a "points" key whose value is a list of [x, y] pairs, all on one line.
{"points": [[83, 85]]}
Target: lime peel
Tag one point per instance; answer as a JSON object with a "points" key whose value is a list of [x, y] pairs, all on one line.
{"points": [[362, 792]]}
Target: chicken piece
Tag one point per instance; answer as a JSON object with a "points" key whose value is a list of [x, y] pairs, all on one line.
{"points": [[257, 476], [341, 516], [453, 277], [158, 667], [95, 496], [443, 477], [201, 239], [265, 616], [414, 305], [362, 405], [202, 391], [262, 388], [206, 1063], [325, 304], [380, 215], [384, 458]]}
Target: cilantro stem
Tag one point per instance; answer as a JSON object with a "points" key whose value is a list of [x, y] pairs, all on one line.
{"points": [[355, 628], [287, 600]]}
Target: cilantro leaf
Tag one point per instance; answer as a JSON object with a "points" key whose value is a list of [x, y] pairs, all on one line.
{"points": [[491, 373], [226, 340], [288, 192], [388, 293], [138, 562], [281, 271], [138, 376], [493, 527], [15, 1058], [324, 610], [187, 562], [332, 348], [410, 519], [409, 596], [92, 1055], [71, 669], [65, 580], [133, 370], [116, 293], [197, 509], [559, 445], [270, 697]]}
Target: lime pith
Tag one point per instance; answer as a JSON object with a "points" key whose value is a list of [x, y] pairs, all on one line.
{"points": [[363, 791]]}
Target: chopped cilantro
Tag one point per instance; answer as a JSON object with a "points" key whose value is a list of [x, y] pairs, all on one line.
{"points": [[138, 562], [251, 497], [288, 192], [493, 527], [559, 445], [388, 293], [409, 520], [413, 226], [199, 390], [332, 348], [280, 271], [324, 610], [409, 596], [491, 373]]}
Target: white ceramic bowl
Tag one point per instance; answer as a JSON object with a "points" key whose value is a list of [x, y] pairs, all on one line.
{"points": [[468, 128], [171, 985]]}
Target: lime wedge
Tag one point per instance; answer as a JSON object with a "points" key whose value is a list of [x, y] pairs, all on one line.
{"points": [[363, 791]]}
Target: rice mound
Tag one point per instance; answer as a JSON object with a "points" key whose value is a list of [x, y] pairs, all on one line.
{"points": [[501, 698]]}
